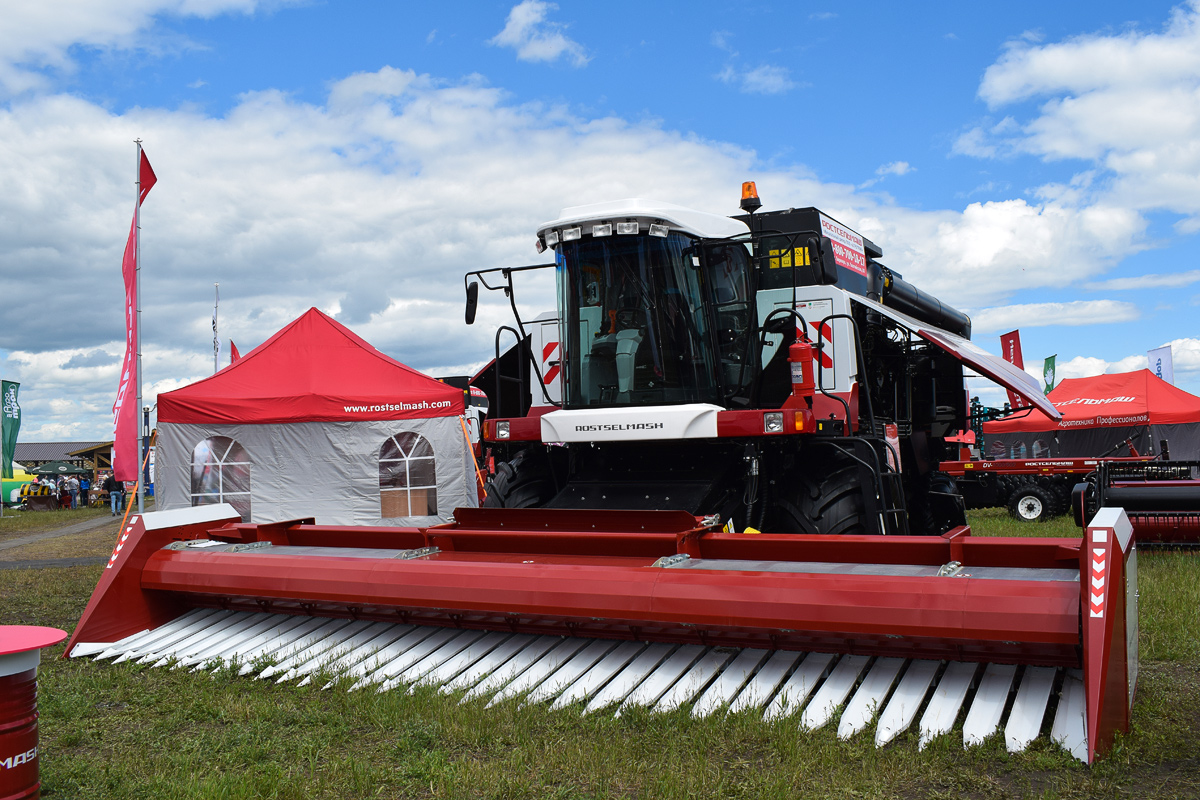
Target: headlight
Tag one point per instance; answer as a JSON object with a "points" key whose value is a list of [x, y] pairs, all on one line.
{"points": [[773, 422], [659, 230], [502, 430], [602, 230], [627, 228], [551, 238], [571, 234]]}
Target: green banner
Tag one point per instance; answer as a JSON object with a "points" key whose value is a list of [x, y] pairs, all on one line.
{"points": [[11, 425], [1048, 372]]}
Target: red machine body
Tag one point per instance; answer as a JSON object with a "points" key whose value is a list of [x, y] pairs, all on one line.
{"points": [[1033, 489], [650, 576], [1161, 499]]}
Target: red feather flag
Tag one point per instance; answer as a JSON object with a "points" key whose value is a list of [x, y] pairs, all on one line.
{"points": [[125, 412]]}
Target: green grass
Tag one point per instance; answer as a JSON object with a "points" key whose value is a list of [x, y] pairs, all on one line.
{"points": [[122, 731], [998, 522]]}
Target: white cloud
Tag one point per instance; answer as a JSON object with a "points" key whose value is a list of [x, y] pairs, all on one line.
{"points": [[1185, 356], [989, 250], [535, 38], [37, 37], [892, 168], [1129, 103], [1036, 315], [764, 79], [1148, 281], [1090, 367], [895, 168], [374, 205], [720, 40]]}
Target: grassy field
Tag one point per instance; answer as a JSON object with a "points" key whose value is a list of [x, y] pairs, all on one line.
{"points": [[121, 731]]}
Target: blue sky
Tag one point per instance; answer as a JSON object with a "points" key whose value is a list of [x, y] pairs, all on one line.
{"points": [[1035, 164]]}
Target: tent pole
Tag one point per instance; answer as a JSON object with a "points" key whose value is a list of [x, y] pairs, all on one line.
{"points": [[216, 340]]}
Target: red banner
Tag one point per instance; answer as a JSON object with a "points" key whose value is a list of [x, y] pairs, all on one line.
{"points": [[125, 411], [1010, 344], [234, 355]]}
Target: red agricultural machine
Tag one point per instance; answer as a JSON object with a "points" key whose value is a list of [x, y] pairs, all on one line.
{"points": [[615, 609], [720, 377], [1032, 489], [1161, 499]]}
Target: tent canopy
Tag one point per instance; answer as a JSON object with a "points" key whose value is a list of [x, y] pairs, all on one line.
{"points": [[1120, 400], [315, 369]]}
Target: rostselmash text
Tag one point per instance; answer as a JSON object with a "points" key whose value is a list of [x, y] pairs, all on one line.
{"points": [[628, 426]]}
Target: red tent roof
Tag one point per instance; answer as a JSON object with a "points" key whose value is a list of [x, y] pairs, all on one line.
{"points": [[1120, 400], [315, 369]]}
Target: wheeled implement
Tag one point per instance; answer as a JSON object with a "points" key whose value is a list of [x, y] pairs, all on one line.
{"points": [[1160, 498], [1032, 489]]}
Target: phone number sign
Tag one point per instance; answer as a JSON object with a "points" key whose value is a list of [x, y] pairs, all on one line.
{"points": [[848, 248]]}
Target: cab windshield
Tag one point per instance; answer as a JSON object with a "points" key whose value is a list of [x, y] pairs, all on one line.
{"points": [[634, 327]]}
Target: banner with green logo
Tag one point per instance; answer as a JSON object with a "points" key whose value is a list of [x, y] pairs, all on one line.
{"points": [[1048, 372], [11, 425]]}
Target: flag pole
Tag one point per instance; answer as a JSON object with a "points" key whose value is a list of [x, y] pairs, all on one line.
{"points": [[216, 341], [137, 224]]}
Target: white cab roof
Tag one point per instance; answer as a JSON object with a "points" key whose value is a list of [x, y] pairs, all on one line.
{"points": [[688, 220]]}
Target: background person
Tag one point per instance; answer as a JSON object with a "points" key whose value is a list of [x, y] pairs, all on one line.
{"points": [[115, 490]]}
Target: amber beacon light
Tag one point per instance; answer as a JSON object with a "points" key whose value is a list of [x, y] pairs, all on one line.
{"points": [[750, 201]]}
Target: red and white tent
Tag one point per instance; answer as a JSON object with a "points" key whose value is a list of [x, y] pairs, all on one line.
{"points": [[316, 422], [1098, 414]]}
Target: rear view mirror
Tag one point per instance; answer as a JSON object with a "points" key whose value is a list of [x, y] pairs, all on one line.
{"points": [[821, 251], [472, 301]]}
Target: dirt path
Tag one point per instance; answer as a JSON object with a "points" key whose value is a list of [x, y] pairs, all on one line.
{"points": [[42, 563], [78, 527]]}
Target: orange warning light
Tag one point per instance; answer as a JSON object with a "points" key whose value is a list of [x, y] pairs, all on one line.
{"points": [[750, 199]]}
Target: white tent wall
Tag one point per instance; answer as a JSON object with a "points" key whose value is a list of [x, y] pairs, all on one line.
{"points": [[326, 470]]}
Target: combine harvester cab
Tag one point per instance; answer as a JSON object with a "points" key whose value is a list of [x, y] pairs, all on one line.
{"points": [[613, 609]]}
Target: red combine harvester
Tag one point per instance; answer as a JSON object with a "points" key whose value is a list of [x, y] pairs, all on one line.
{"points": [[759, 373], [654, 608]]}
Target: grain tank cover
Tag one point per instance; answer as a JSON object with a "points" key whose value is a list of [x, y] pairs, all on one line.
{"points": [[993, 367]]}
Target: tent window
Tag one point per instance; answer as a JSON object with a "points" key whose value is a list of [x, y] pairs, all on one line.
{"points": [[221, 474], [407, 477]]}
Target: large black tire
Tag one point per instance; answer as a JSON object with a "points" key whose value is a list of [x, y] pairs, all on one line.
{"points": [[946, 507], [1032, 503], [829, 503], [523, 482]]}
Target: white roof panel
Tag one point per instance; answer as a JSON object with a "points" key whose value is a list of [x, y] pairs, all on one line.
{"points": [[698, 223]]}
